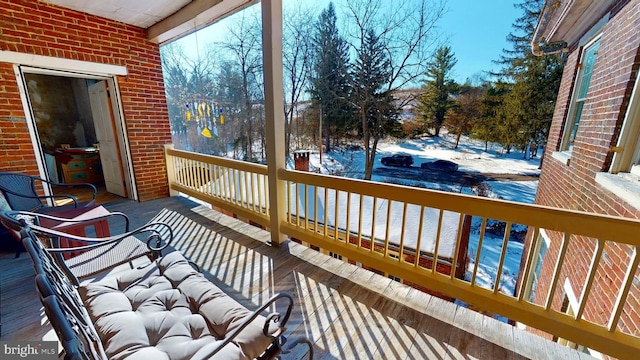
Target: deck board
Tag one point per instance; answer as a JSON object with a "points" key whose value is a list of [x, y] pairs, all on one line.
{"points": [[347, 312]]}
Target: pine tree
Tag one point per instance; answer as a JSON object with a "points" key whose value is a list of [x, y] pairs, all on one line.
{"points": [[486, 127], [371, 98], [528, 106], [330, 77], [436, 101]]}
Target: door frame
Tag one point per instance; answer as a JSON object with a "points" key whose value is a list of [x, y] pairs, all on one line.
{"points": [[68, 68]]}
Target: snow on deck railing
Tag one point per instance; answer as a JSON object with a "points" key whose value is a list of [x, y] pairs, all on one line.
{"points": [[341, 215]]}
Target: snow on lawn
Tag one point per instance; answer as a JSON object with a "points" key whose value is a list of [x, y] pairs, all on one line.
{"points": [[471, 157]]}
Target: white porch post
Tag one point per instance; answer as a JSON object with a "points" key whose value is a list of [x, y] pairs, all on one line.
{"points": [[274, 113]]}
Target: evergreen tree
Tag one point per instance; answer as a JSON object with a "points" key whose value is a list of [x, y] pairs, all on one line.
{"points": [[485, 128], [436, 101], [528, 106], [330, 76], [371, 97]]}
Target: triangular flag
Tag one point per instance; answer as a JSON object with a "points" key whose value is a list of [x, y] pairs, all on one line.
{"points": [[206, 133]]}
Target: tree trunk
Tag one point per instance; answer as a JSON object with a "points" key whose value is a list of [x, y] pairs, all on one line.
{"points": [[327, 138], [366, 137], [458, 139], [437, 131]]}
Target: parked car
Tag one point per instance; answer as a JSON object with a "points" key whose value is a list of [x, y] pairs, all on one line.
{"points": [[397, 160], [440, 165]]}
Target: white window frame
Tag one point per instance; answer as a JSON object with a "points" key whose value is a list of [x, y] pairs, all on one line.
{"points": [[536, 266], [623, 177], [576, 109], [627, 151], [572, 306]]}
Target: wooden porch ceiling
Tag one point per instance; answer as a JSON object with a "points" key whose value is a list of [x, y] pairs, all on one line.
{"points": [[347, 312], [165, 20]]}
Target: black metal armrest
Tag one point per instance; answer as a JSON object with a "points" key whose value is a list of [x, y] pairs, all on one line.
{"points": [[44, 197], [273, 318], [160, 237], [38, 216], [89, 185]]}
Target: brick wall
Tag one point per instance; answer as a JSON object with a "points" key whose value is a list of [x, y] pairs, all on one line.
{"points": [[35, 27], [573, 186]]}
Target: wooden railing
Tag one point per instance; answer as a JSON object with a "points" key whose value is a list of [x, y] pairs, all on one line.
{"points": [[397, 229]]}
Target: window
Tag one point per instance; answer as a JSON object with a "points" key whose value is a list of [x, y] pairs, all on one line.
{"points": [[583, 80], [541, 249], [623, 176], [569, 306], [627, 151]]}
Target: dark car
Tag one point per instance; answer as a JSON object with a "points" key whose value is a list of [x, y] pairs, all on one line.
{"points": [[397, 160], [440, 165]]}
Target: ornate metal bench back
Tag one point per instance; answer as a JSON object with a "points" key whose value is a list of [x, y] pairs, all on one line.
{"points": [[62, 303]]}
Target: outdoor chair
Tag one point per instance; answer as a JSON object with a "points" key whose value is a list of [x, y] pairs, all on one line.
{"points": [[21, 193]]}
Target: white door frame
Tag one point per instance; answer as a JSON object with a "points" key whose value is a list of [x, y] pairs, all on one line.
{"points": [[35, 64]]}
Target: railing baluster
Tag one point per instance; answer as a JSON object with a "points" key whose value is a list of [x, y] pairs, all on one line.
{"points": [[373, 225], [326, 211], [360, 221], [260, 181], [348, 231], [503, 253], [217, 181], [210, 183], [336, 217], [483, 225], [529, 264], [250, 202], [189, 171], [299, 204], [624, 290], [416, 260], [404, 223], [267, 201], [236, 186], [454, 262], [386, 232], [595, 260], [556, 272], [316, 220], [289, 198], [227, 184], [306, 207], [434, 263]]}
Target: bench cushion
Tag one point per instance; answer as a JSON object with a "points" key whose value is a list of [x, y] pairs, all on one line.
{"points": [[167, 310]]}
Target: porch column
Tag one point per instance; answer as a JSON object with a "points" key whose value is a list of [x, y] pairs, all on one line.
{"points": [[274, 112]]}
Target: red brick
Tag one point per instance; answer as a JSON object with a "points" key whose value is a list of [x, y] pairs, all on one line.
{"points": [[75, 35]]}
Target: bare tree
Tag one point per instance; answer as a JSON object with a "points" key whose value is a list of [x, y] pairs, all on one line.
{"points": [[297, 30], [466, 110], [188, 82], [407, 34], [243, 44]]}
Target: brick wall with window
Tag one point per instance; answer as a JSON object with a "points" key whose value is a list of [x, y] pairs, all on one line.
{"points": [[571, 183], [34, 27]]}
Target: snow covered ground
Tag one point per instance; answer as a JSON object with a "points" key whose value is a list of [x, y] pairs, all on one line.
{"points": [[471, 158]]}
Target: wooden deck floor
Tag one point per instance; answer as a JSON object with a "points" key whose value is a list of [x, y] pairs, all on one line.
{"points": [[347, 312]]}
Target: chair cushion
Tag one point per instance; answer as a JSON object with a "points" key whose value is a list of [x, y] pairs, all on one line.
{"points": [[168, 311]]}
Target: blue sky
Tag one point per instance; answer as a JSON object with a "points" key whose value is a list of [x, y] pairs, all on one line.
{"points": [[476, 30]]}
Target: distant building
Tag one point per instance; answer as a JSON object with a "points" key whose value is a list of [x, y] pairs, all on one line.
{"points": [[592, 157]]}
